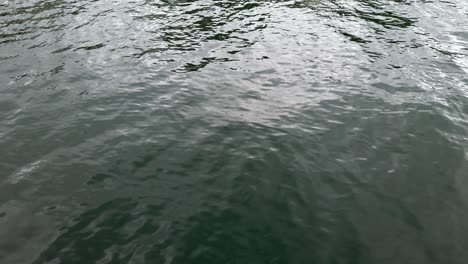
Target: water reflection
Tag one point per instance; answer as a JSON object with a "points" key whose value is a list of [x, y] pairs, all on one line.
{"points": [[233, 131]]}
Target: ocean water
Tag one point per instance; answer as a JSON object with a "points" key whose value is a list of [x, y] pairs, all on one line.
{"points": [[250, 132]]}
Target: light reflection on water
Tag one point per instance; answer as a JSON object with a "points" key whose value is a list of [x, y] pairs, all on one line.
{"points": [[233, 131]]}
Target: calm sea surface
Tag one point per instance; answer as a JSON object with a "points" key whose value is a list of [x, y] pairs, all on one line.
{"points": [[240, 132]]}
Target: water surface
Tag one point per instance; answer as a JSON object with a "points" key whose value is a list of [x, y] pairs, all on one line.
{"points": [[150, 131]]}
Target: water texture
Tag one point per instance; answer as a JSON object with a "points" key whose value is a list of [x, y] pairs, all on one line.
{"points": [[209, 131]]}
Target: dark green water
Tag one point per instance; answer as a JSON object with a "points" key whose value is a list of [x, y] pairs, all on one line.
{"points": [[328, 132]]}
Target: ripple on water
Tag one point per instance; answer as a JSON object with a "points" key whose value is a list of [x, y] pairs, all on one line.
{"points": [[233, 131]]}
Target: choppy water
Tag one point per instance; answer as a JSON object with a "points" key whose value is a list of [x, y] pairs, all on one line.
{"points": [[330, 131]]}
